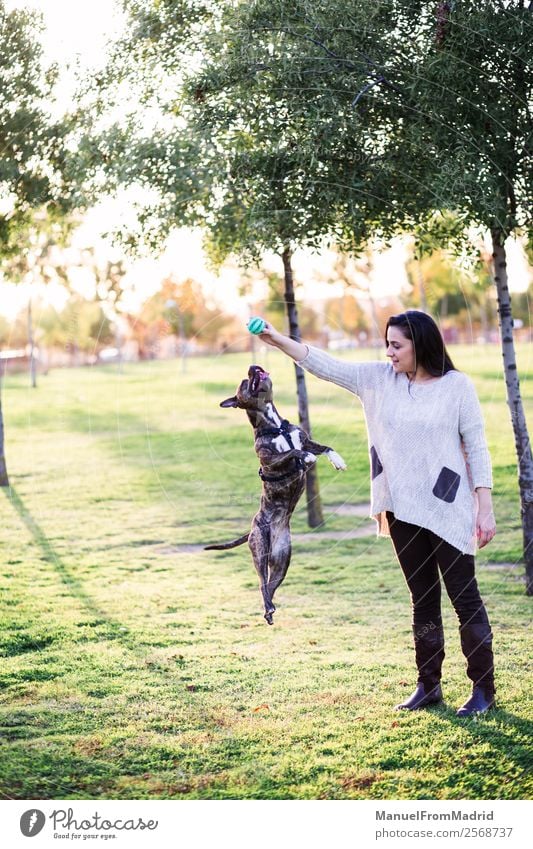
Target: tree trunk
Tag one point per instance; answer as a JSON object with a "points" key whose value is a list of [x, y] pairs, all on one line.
{"points": [[4, 480], [514, 401], [314, 504]]}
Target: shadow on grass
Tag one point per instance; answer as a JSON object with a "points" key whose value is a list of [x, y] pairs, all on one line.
{"points": [[115, 630], [502, 730]]}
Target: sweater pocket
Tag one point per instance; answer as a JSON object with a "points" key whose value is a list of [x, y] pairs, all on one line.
{"points": [[376, 466], [447, 485]]}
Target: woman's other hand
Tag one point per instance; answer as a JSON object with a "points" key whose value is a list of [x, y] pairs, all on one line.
{"points": [[485, 521]]}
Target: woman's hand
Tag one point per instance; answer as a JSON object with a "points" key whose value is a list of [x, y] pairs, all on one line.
{"points": [[485, 528], [485, 522], [296, 350], [270, 335]]}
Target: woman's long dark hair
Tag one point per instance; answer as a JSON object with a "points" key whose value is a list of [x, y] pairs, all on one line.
{"points": [[430, 350]]}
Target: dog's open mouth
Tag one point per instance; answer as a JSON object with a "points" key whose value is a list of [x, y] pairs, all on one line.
{"points": [[256, 374]]}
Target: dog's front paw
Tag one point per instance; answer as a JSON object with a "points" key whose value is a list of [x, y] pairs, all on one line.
{"points": [[336, 461], [310, 458]]}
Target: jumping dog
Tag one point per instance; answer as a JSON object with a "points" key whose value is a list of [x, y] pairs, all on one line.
{"points": [[285, 453]]}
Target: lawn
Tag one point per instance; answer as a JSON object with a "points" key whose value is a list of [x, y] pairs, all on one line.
{"points": [[136, 667]]}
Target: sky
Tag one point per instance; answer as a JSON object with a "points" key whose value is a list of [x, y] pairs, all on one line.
{"points": [[76, 33], [75, 28]]}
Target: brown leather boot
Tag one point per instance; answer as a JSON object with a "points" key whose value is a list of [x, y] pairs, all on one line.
{"points": [[476, 642], [429, 654], [481, 700], [421, 698]]}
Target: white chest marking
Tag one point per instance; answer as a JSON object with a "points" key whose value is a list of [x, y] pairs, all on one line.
{"points": [[272, 415], [297, 442], [281, 444]]}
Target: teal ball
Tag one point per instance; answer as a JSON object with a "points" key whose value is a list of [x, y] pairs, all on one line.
{"points": [[256, 325]]}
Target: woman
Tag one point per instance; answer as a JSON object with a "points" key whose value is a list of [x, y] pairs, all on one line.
{"points": [[428, 455]]}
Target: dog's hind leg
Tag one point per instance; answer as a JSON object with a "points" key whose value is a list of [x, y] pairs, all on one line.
{"points": [[259, 543], [280, 557]]}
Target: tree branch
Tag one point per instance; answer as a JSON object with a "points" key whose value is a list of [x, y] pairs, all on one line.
{"points": [[347, 62], [366, 88]]}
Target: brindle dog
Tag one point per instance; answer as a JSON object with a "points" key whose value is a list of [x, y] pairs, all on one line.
{"points": [[285, 453]]}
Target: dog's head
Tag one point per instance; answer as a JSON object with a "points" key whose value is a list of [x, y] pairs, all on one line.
{"points": [[254, 391]]}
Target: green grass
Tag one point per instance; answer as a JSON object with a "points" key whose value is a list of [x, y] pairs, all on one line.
{"points": [[130, 670]]}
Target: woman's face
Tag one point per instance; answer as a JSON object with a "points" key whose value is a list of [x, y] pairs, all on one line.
{"points": [[400, 350]]}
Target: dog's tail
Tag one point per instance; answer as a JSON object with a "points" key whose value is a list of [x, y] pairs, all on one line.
{"points": [[224, 545]]}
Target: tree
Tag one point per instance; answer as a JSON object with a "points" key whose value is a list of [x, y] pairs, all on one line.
{"points": [[31, 142]]}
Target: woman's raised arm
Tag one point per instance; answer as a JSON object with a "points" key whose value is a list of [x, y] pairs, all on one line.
{"points": [[348, 375], [296, 350]]}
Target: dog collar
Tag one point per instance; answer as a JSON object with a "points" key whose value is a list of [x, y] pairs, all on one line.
{"points": [[300, 465], [283, 429]]}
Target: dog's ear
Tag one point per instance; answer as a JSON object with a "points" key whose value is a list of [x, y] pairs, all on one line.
{"points": [[230, 402]]}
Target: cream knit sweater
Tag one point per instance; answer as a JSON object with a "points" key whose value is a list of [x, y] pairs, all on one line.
{"points": [[426, 444]]}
